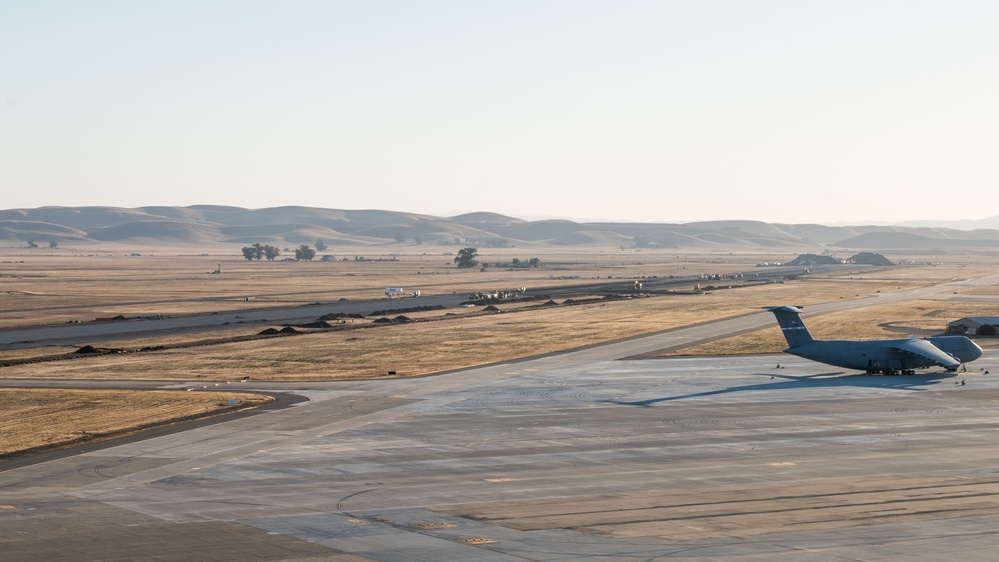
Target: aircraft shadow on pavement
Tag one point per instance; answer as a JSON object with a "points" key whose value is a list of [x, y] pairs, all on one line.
{"points": [[820, 380]]}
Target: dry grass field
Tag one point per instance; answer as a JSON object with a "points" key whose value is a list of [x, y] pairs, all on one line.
{"points": [[31, 418], [48, 289]]}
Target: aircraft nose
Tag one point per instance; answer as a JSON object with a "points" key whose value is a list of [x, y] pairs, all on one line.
{"points": [[975, 352]]}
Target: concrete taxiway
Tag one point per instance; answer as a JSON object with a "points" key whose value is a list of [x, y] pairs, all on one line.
{"points": [[575, 456]]}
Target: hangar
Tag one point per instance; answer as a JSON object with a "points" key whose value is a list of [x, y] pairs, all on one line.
{"points": [[971, 324]]}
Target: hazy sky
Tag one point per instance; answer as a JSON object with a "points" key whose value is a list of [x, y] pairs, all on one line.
{"points": [[666, 111]]}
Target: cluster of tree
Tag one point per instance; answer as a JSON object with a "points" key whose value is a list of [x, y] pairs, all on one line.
{"points": [[400, 238], [466, 258], [304, 253], [268, 252], [52, 244], [533, 263], [259, 252], [489, 242]]}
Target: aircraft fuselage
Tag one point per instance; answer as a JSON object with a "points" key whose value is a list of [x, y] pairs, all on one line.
{"points": [[883, 356]]}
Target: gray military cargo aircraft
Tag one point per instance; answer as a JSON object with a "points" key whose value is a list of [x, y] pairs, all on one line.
{"points": [[890, 357]]}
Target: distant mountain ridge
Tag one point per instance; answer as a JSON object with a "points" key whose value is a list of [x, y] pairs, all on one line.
{"points": [[294, 225], [973, 224]]}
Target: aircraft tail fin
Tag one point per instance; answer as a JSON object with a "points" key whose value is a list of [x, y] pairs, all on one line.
{"points": [[790, 324]]}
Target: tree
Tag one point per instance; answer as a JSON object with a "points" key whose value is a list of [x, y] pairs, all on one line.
{"points": [[400, 238], [515, 262], [53, 244], [535, 263], [466, 257], [304, 252], [254, 252], [271, 252], [31, 244], [320, 245]]}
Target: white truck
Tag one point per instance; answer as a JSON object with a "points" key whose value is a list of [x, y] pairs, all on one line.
{"points": [[399, 292]]}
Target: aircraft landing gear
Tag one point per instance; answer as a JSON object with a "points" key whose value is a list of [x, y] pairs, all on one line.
{"points": [[893, 372]]}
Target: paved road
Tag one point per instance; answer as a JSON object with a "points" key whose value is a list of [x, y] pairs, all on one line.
{"points": [[567, 457]]}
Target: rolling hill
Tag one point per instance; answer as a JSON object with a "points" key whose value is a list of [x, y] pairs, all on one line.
{"points": [[212, 225]]}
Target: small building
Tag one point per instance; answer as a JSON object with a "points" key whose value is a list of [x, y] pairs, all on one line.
{"points": [[971, 324]]}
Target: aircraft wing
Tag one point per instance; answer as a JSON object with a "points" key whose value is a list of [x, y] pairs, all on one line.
{"points": [[927, 350]]}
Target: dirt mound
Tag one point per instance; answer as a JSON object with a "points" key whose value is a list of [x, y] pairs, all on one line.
{"points": [[402, 319], [405, 310], [338, 316], [288, 330], [316, 324], [550, 303], [812, 259], [571, 302], [269, 332], [89, 349], [870, 258], [491, 308], [383, 320]]}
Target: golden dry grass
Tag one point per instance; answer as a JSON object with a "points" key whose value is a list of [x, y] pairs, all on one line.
{"points": [[31, 418]]}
